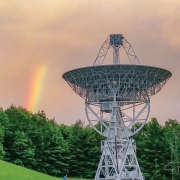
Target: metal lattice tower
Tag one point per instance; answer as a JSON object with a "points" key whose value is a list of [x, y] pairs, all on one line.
{"points": [[117, 105]]}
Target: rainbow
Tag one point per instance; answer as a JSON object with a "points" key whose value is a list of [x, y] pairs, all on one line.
{"points": [[36, 86]]}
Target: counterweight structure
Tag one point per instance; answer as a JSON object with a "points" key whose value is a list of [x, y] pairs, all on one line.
{"points": [[117, 105]]}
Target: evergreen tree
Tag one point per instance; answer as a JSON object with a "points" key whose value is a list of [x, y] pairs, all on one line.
{"points": [[151, 149], [92, 151], [84, 145], [75, 142]]}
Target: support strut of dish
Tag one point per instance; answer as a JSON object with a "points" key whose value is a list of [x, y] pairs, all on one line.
{"points": [[117, 105], [118, 159]]}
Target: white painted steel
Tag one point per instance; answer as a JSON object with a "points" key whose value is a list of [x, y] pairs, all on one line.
{"points": [[126, 166], [131, 114], [116, 41], [118, 160], [117, 105]]}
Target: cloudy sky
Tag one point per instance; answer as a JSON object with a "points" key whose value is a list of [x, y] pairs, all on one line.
{"points": [[60, 35]]}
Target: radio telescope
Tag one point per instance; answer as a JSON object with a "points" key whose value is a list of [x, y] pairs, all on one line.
{"points": [[117, 105]]}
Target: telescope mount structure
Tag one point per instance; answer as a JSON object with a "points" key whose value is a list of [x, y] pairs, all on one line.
{"points": [[117, 105]]}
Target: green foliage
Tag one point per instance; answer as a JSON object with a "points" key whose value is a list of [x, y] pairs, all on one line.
{"points": [[84, 146], [22, 150], [2, 152], [38, 143], [172, 137], [158, 150], [148, 149], [55, 153], [4, 124], [34, 141]]}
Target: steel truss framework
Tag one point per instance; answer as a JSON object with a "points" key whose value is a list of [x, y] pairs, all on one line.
{"points": [[119, 159], [107, 44], [132, 82], [131, 115], [117, 105]]}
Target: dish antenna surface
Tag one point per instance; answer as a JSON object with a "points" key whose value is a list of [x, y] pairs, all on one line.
{"points": [[117, 105]]}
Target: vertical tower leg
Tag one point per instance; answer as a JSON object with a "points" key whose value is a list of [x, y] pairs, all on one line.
{"points": [[120, 166], [130, 167], [106, 168]]}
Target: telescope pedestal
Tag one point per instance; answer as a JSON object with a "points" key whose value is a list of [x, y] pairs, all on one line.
{"points": [[118, 161]]}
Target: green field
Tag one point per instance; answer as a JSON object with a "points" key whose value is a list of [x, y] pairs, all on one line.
{"points": [[10, 171]]}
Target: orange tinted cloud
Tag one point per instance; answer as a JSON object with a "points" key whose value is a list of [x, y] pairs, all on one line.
{"points": [[68, 34]]}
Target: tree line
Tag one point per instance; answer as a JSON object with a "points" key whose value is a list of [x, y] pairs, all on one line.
{"points": [[36, 142]]}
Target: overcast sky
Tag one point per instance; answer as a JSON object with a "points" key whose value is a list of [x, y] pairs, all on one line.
{"points": [[67, 34]]}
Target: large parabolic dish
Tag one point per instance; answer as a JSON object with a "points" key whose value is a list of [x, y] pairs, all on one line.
{"points": [[133, 83], [117, 105]]}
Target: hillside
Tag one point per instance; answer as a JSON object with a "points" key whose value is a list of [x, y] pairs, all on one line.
{"points": [[10, 171]]}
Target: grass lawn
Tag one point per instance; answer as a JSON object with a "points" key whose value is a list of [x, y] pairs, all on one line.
{"points": [[10, 171]]}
